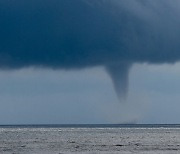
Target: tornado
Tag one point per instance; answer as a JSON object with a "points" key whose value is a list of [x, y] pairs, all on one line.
{"points": [[119, 75]]}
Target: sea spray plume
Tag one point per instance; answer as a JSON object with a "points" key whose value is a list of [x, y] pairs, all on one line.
{"points": [[74, 34]]}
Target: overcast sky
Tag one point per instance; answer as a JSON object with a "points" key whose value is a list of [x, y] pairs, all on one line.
{"points": [[85, 61], [87, 96]]}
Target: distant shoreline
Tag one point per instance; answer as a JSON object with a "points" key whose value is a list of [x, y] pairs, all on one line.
{"points": [[90, 126]]}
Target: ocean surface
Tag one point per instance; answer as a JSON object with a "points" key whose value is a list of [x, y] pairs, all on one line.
{"points": [[89, 139]]}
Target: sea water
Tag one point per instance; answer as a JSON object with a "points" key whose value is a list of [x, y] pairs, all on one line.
{"points": [[90, 139]]}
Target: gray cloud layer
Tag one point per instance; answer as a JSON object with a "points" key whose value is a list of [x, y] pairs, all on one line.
{"points": [[71, 34]]}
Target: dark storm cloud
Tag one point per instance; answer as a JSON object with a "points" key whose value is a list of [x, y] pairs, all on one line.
{"points": [[71, 34], [58, 33]]}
